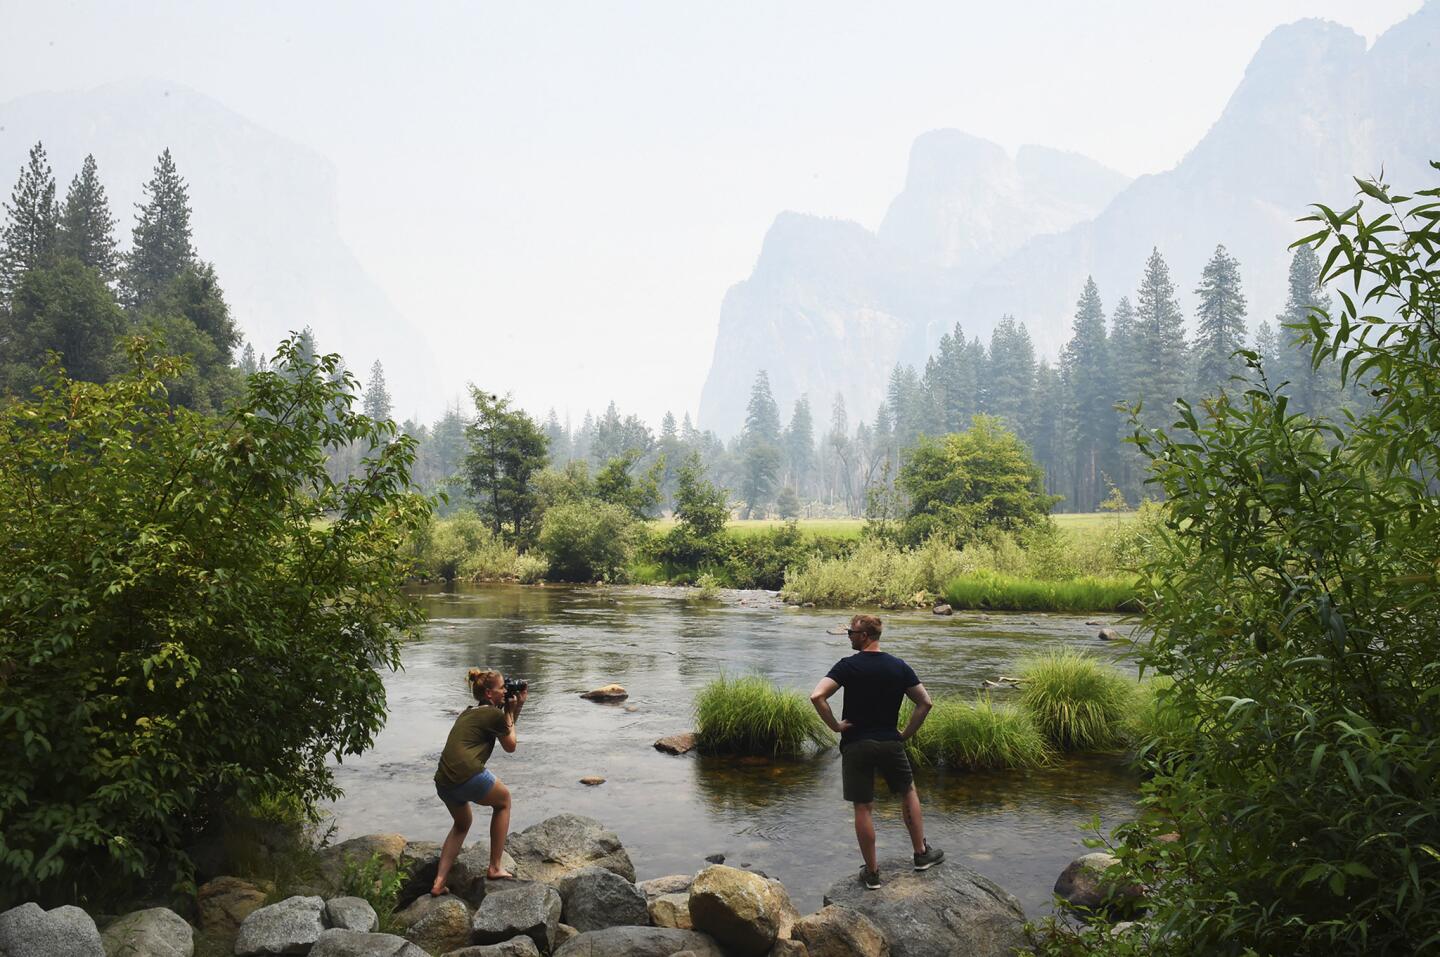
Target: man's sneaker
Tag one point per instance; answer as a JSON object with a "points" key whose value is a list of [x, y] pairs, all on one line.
{"points": [[928, 859], [871, 879]]}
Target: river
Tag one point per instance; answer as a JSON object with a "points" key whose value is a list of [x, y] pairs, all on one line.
{"points": [[785, 818]]}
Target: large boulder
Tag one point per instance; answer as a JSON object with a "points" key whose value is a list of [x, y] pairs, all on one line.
{"points": [[466, 879], [444, 926], [62, 932], [567, 842], [351, 913], [947, 910], [593, 897], [744, 911], [1084, 886], [527, 908], [640, 942], [671, 910], [840, 932], [291, 926], [338, 942], [356, 852], [670, 884], [223, 904], [157, 932], [514, 947], [788, 948]]}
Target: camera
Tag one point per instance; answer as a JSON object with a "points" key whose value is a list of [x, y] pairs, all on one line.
{"points": [[513, 687]]}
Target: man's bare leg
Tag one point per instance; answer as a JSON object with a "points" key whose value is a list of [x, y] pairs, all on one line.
{"points": [[865, 833], [914, 820]]}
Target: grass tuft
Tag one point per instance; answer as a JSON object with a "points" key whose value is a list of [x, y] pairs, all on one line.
{"points": [[976, 735], [750, 715], [1078, 703], [996, 592]]}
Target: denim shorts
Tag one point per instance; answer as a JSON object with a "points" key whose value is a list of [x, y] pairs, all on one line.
{"points": [[472, 790]]}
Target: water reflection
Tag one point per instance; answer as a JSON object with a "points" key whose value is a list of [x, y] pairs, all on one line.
{"points": [[784, 817]]}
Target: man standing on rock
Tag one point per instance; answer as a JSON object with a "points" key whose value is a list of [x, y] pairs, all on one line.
{"points": [[874, 683]]}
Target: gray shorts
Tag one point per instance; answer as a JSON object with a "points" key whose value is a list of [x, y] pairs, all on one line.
{"points": [[859, 760]]}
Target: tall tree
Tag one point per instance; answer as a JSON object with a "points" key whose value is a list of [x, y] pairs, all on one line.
{"points": [[952, 377], [1220, 322], [67, 309], [87, 230], [800, 446], [507, 450], [1011, 378], [837, 440], [1311, 390], [1159, 342], [1046, 428], [32, 219], [161, 247], [760, 447], [1125, 370], [377, 405], [1089, 403]]}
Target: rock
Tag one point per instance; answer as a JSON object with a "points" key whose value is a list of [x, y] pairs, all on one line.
{"points": [[514, 947], [947, 910], [607, 693], [1108, 634], [351, 913], [291, 926], [592, 781], [567, 842], [467, 875], [671, 910], [745, 912], [677, 743], [418, 909], [1083, 886], [807, 604], [338, 942], [593, 898], [445, 925], [157, 932], [640, 942], [840, 932], [631, 708], [563, 932], [943, 609], [715, 858], [225, 902], [670, 884], [61, 932], [529, 909], [789, 948], [357, 851]]}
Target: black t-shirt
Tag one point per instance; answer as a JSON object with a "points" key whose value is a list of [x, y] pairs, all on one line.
{"points": [[874, 683]]}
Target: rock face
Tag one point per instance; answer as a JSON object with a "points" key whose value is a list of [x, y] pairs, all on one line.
{"points": [[291, 926], [677, 743], [62, 932], [567, 842], [607, 693], [947, 910], [337, 942], [1083, 886], [443, 927], [157, 932], [671, 910], [351, 913], [357, 851], [529, 909], [840, 932], [743, 911], [640, 942], [594, 898]]}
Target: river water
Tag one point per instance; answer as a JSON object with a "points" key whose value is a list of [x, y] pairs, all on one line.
{"points": [[785, 818]]}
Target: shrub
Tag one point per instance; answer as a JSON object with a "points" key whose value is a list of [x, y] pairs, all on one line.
{"points": [[1004, 593], [191, 612], [1077, 702], [873, 574], [588, 541], [707, 587], [530, 569], [463, 547], [749, 715], [976, 735], [377, 883]]}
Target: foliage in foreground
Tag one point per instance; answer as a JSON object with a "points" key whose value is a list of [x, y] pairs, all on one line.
{"points": [[976, 735], [191, 612], [1077, 702], [1297, 609], [750, 715]]}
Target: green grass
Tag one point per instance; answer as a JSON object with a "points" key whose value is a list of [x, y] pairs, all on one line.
{"points": [[848, 528], [1156, 726], [750, 715], [1091, 521], [989, 590], [1078, 703], [977, 735]]}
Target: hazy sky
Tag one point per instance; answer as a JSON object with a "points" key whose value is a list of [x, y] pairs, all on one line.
{"points": [[560, 193]]}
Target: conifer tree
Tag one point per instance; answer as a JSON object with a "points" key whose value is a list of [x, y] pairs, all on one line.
{"points": [[377, 404], [1311, 391], [905, 398], [1125, 370], [249, 365], [1089, 401], [87, 230], [760, 447], [1220, 322], [30, 236], [837, 440], [1011, 379], [800, 446], [1265, 344], [1159, 342], [161, 247], [1047, 442]]}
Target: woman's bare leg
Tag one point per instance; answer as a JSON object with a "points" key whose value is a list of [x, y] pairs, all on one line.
{"points": [[453, 842], [498, 800]]}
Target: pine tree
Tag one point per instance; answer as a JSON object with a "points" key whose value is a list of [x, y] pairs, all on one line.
{"points": [[842, 458], [1313, 391], [87, 230], [1089, 403], [377, 404], [1011, 379], [800, 447], [1265, 344], [30, 237], [1127, 389], [760, 447], [1220, 322], [1047, 441], [558, 437], [249, 365], [952, 377], [161, 247], [1159, 343], [906, 399]]}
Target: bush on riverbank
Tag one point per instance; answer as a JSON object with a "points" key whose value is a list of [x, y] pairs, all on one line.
{"points": [[588, 541], [876, 574], [750, 715], [991, 591], [976, 735], [1078, 703], [462, 547]]}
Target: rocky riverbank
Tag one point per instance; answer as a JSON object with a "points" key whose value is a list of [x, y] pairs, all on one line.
{"points": [[575, 895]]}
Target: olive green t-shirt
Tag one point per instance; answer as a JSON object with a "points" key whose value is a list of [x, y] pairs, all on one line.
{"points": [[468, 747]]}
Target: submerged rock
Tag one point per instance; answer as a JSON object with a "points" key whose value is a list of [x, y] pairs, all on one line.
{"points": [[607, 693], [677, 743]]}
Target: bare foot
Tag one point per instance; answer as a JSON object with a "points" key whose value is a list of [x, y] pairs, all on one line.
{"points": [[439, 891], [499, 874]]}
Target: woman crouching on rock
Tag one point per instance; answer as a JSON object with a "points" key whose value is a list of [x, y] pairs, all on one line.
{"points": [[462, 778]]}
